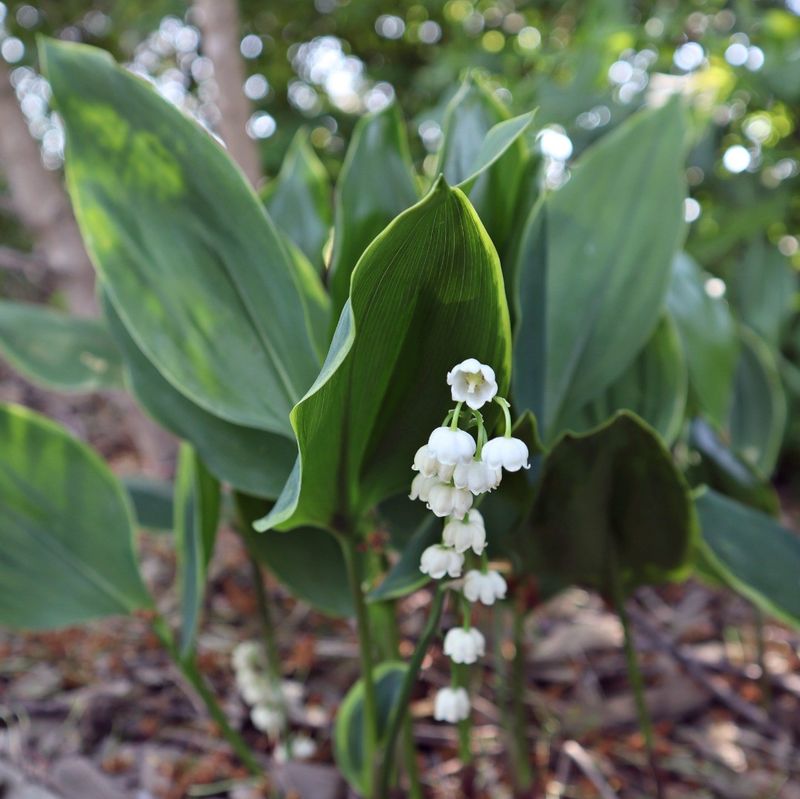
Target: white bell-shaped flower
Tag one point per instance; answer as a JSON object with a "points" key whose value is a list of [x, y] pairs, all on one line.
{"points": [[451, 705], [268, 719], [472, 382], [486, 588], [466, 533], [477, 477], [450, 446], [254, 687], [464, 646], [248, 655], [421, 487], [426, 464], [303, 748], [446, 500], [436, 561], [505, 451]]}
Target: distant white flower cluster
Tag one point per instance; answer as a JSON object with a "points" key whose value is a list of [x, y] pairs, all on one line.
{"points": [[454, 468], [270, 702]]}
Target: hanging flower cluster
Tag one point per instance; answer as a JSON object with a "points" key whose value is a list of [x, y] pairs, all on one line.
{"points": [[270, 702], [454, 469]]}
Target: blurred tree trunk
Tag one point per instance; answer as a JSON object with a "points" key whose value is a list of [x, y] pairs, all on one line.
{"points": [[41, 204], [219, 23]]}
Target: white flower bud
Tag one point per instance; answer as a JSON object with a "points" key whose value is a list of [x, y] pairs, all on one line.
{"points": [[421, 487], [254, 687], [451, 446], [472, 382], [464, 646], [427, 465], [303, 748], [446, 500], [510, 453], [248, 655], [451, 705], [476, 476], [268, 719], [469, 533], [487, 587], [436, 561]]}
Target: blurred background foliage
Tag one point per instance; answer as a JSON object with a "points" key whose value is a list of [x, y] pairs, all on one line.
{"points": [[585, 64]]}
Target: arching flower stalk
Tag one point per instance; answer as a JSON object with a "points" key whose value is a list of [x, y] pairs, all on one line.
{"points": [[454, 469]]}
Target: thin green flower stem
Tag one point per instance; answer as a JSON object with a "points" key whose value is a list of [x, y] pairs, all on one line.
{"points": [[392, 652], [761, 653], [461, 680], [523, 773], [503, 403], [356, 580], [400, 706], [456, 414], [634, 672], [192, 675], [271, 648]]}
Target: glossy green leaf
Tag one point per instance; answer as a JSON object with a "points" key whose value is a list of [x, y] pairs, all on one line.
{"points": [[152, 502], [758, 413], [763, 288], [197, 507], [309, 561], [376, 183], [595, 263], [66, 529], [427, 293], [405, 577], [299, 200], [475, 124], [58, 351], [348, 731], [250, 460], [500, 138], [653, 386], [709, 338], [722, 469], [613, 500], [193, 264], [752, 553]]}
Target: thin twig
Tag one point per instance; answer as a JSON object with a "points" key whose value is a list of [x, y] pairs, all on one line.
{"points": [[584, 762], [697, 671]]}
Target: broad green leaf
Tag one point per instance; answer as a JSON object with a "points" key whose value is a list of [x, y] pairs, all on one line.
{"points": [[318, 301], [653, 387], [751, 553], [66, 529], [758, 413], [709, 338], [185, 248], [405, 577], [250, 460], [427, 293], [299, 200], [476, 124], [197, 505], [723, 470], [763, 288], [497, 142], [348, 731], [152, 502], [594, 265], [609, 499], [308, 562], [58, 351], [376, 183]]}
